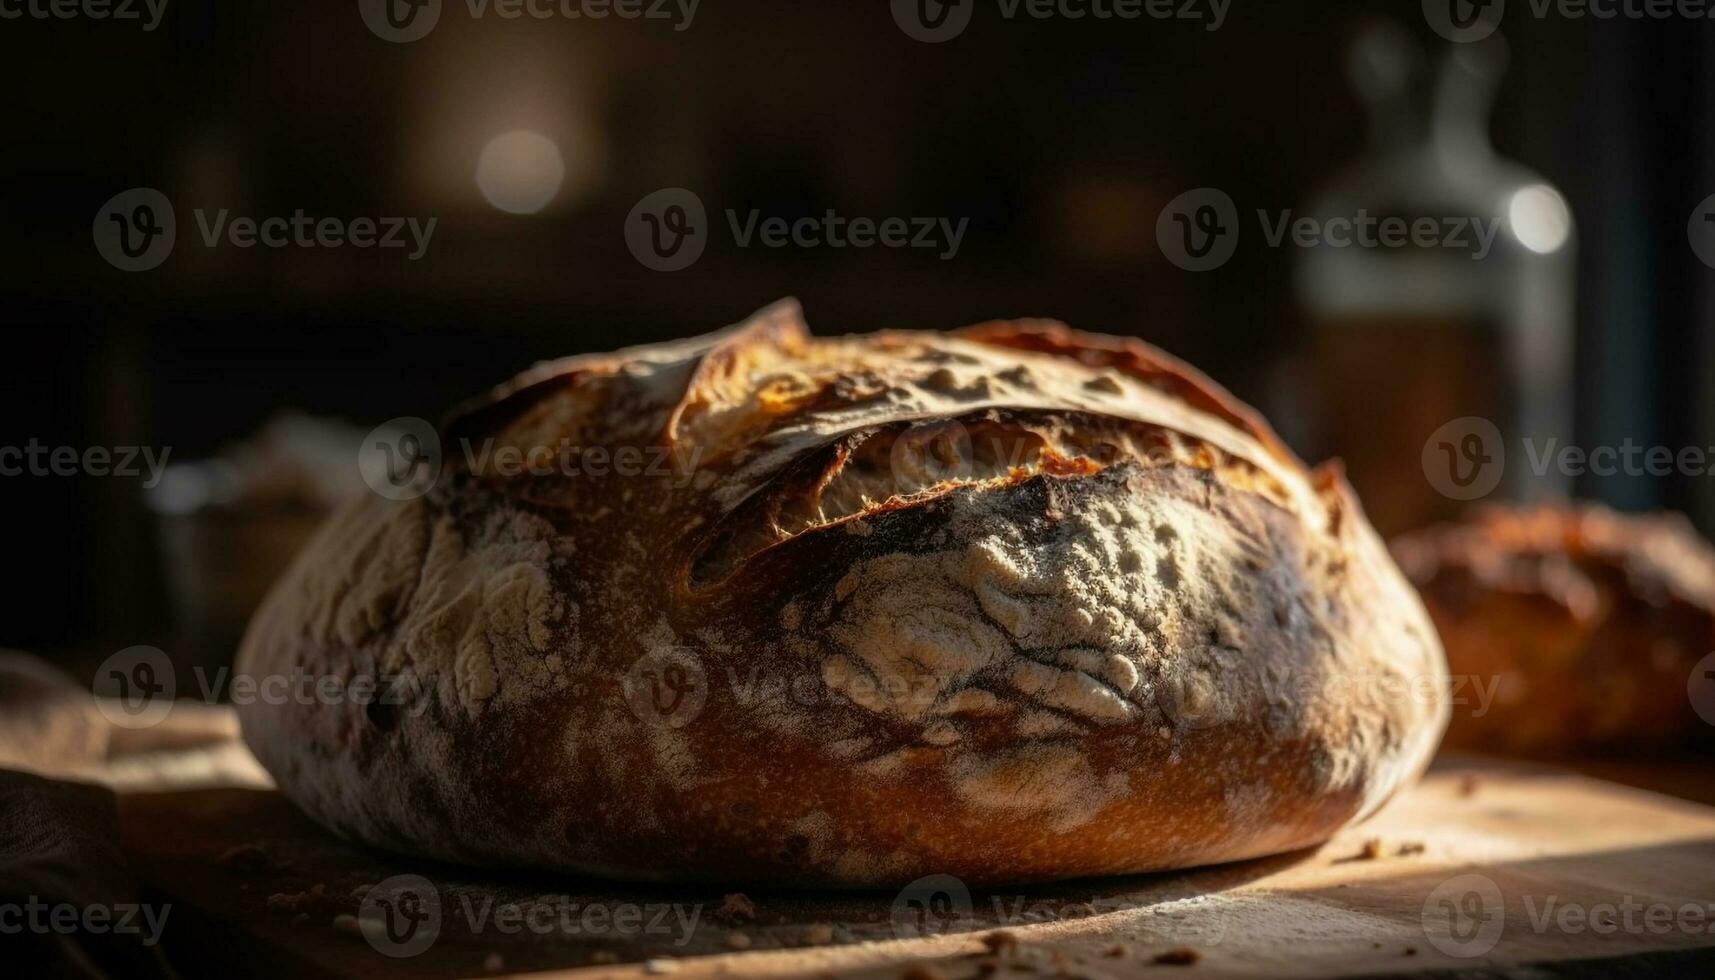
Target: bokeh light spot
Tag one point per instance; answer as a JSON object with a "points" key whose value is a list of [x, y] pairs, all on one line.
{"points": [[520, 172]]}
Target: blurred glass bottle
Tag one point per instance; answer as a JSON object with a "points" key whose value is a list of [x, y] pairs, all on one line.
{"points": [[1407, 338]]}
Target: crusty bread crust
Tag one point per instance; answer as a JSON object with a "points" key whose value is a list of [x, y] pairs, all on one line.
{"points": [[1015, 603]]}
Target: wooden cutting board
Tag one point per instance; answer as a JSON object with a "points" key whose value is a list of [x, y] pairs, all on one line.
{"points": [[1481, 870]]}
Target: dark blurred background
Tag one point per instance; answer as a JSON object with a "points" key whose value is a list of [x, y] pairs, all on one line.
{"points": [[1060, 140]]}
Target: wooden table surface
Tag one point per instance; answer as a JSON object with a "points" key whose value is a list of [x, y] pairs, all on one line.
{"points": [[1482, 870]]}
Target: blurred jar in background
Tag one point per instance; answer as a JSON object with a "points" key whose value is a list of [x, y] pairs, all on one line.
{"points": [[1467, 315], [230, 526]]}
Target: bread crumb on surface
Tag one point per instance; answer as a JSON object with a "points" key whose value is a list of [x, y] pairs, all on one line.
{"points": [[1468, 785], [735, 909], [819, 934], [660, 966], [314, 901], [1116, 951], [1183, 956], [1001, 940], [1410, 848], [1372, 850], [737, 940]]}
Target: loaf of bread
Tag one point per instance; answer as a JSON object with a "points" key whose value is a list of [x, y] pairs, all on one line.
{"points": [[1570, 628], [1011, 603]]}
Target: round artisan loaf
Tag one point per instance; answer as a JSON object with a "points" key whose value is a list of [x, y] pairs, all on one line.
{"points": [[1571, 628], [1012, 603]]}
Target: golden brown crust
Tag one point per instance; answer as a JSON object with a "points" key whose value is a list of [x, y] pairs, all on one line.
{"points": [[1011, 604], [1583, 623], [1136, 359]]}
